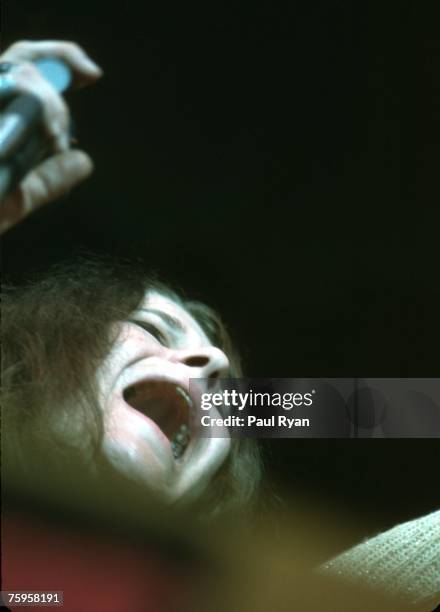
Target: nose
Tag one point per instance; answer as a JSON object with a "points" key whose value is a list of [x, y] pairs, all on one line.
{"points": [[207, 362]]}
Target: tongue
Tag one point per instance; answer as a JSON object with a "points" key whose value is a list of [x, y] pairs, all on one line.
{"points": [[161, 403]]}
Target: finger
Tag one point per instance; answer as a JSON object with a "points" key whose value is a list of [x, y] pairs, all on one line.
{"points": [[52, 179], [28, 79], [84, 68]]}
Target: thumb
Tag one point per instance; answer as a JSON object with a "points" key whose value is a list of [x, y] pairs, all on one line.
{"points": [[48, 181], [54, 177]]}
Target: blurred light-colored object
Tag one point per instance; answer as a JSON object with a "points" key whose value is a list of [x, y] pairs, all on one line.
{"points": [[403, 561]]}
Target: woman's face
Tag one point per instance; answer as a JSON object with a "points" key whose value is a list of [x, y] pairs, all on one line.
{"points": [[149, 405]]}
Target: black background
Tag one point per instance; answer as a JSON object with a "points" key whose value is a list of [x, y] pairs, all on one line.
{"points": [[279, 161]]}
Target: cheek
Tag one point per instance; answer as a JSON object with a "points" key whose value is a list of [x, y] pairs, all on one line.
{"points": [[133, 341], [133, 449], [132, 442], [129, 344]]}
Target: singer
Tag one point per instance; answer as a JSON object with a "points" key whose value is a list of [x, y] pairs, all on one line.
{"points": [[97, 360], [120, 386]]}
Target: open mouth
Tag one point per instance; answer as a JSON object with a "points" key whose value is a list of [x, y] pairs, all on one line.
{"points": [[168, 405]]}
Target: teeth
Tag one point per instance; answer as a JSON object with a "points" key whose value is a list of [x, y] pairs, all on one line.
{"points": [[180, 441], [185, 396], [182, 436]]}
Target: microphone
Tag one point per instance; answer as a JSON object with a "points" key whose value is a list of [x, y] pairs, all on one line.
{"points": [[56, 72], [22, 145]]}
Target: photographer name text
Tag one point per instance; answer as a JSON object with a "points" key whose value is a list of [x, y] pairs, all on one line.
{"points": [[253, 421]]}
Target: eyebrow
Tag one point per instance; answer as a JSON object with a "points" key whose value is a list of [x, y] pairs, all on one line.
{"points": [[171, 321]]}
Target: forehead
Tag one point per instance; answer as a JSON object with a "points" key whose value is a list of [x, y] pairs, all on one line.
{"points": [[160, 303]]}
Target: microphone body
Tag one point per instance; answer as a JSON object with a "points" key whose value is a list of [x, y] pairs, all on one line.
{"points": [[22, 142]]}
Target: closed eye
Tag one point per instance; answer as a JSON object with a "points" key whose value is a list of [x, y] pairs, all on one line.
{"points": [[151, 329]]}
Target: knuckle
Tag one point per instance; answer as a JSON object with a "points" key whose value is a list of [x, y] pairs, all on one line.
{"points": [[27, 69], [27, 77], [21, 46]]}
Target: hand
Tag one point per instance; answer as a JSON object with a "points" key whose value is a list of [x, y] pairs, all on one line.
{"points": [[65, 168]]}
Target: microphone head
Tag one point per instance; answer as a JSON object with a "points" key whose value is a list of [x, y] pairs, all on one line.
{"points": [[55, 71]]}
